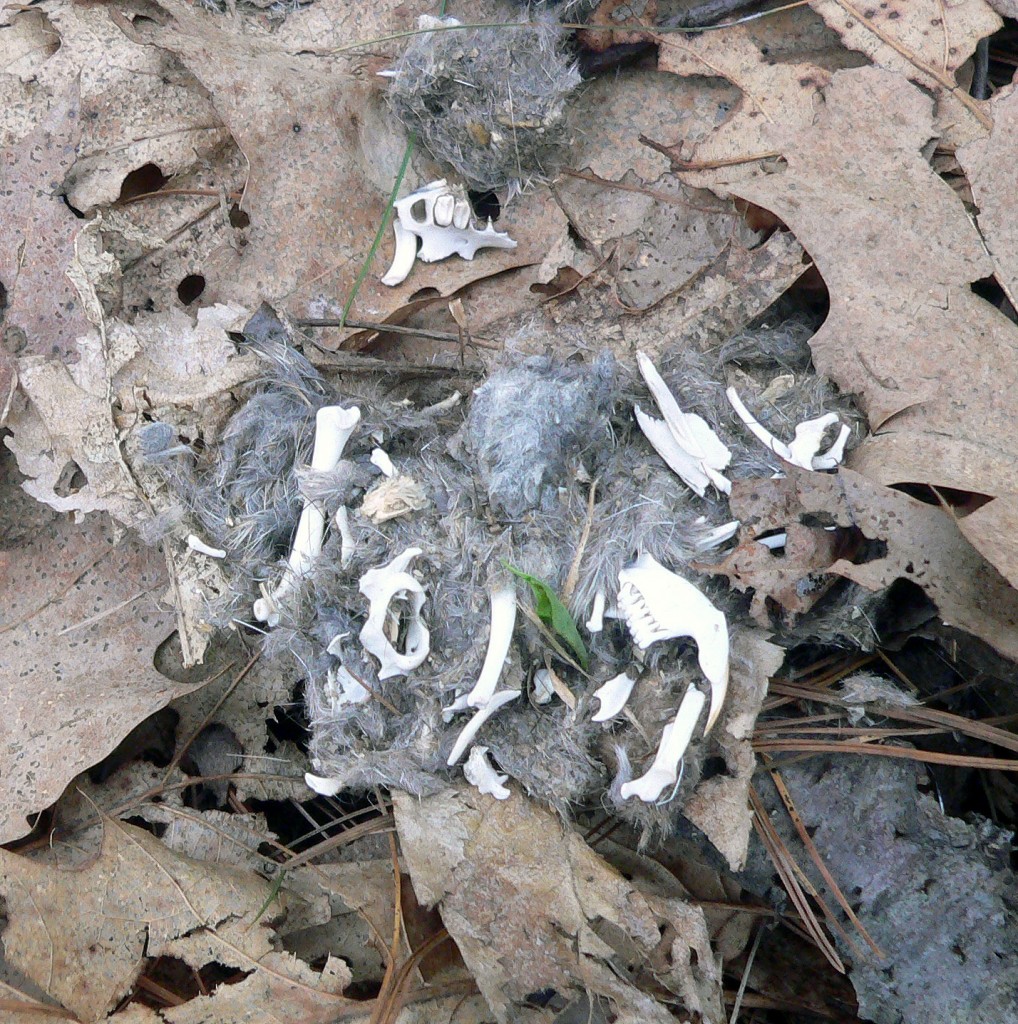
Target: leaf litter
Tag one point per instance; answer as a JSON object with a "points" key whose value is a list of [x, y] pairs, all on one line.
{"points": [[814, 163]]}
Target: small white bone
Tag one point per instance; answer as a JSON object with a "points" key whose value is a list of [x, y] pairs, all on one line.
{"points": [[805, 447], [446, 228], [479, 772], [503, 621], [684, 440], [613, 696], [381, 587], [333, 427], [674, 741], [596, 621], [326, 787], [344, 688], [775, 542], [345, 535], [469, 731], [544, 688], [660, 605], [196, 544], [381, 459], [718, 535]]}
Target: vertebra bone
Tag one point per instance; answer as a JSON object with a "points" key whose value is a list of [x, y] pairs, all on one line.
{"points": [[381, 587]]}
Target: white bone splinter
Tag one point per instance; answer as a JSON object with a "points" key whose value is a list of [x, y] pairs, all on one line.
{"points": [[381, 587], [684, 440], [466, 737], [440, 215], [660, 605], [333, 427], [613, 696], [503, 621], [479, 772], [674, 740], [804, 451]]}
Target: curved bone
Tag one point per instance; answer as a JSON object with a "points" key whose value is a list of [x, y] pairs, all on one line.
{"points": [[326, 787], [674, 740], [197, 544], [613, 696], [381, 587], [469, 731], [503, 620], [684, 440], [404, 258], [805, 447], [333, 427], [660, 605], [479, 772]]}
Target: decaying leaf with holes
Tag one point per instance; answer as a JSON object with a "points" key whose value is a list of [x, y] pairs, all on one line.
{"points": [[919, 543], [84, 936], [531, 906], [71, 592]]}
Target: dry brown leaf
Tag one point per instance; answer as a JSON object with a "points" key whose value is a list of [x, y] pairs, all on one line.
{"points": [[719, 806], [44, 314], [991, 164], [932, 363], [777, 576], [923, 545], [912, 37], [83, 936], [772, 93], [81, 621], [160, 360], [531, 906]]}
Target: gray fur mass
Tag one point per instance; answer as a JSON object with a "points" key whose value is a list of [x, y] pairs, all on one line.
{"points": [[542, 460]]}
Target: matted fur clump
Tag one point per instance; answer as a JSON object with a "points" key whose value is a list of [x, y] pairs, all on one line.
{"points": [[542, 461], [490, 102]]}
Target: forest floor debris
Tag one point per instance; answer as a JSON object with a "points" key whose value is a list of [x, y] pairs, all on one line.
{"points": [[346, 668]]}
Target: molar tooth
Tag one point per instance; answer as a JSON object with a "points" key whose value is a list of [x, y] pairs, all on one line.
{"points": [[660, 605], [444, 208], [674, 741]]}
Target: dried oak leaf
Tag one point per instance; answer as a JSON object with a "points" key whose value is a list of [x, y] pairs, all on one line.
{"points": [[44, 314], [793, 578], [719, 806], [933, 364], [531, 906], [923, 544], [79, 627], [991, 165], [84, 936]]}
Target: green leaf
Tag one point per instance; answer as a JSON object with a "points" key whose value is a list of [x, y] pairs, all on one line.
{"points": [[553, 613]]}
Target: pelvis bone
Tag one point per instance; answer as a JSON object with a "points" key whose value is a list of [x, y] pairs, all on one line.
{"points": [[440, 215], [381, 587]]}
